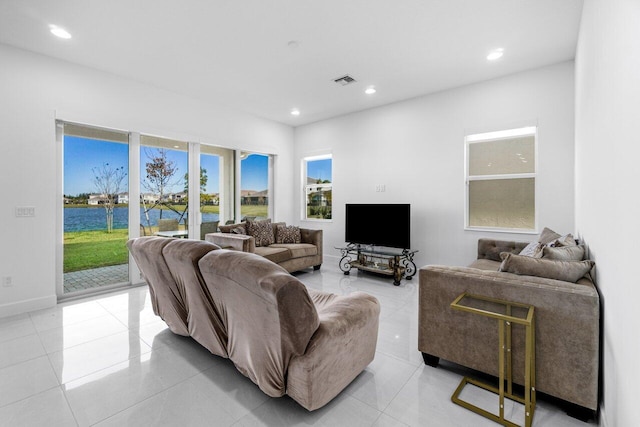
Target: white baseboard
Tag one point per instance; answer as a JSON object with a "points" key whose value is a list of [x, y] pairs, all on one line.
{"points": [[26, 306]]}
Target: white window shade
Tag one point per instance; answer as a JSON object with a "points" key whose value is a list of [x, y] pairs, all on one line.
{"points": [[501, 174]]}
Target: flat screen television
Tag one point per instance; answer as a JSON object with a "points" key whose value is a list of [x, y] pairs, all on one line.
{"points": [[387, 225]]}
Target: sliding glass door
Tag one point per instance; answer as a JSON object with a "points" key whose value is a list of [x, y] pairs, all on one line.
{"points": [[95, 208], [117, 185], [164, 189]]}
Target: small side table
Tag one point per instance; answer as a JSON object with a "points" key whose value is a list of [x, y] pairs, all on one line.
{"points": [[506, 313]]}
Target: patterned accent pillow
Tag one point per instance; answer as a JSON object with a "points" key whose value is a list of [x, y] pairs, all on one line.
{"points": [[533, 249], [287, 234], [261, 231]]}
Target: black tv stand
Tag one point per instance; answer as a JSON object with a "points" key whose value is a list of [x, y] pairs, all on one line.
{"points": [[391, 262]]}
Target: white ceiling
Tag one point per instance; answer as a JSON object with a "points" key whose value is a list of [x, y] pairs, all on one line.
{"points": [[236, 52]]}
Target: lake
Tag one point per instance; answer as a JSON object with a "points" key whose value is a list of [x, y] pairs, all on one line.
{"points": [[88, 219]]}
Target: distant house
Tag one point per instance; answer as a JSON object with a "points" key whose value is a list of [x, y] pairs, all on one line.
{"points": [[96, 199], [252, 197], [318, 194], [122, 198], [149, 197], [176, 197]]}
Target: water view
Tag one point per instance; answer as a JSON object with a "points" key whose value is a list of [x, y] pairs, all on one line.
{"points": [[90, 219]]}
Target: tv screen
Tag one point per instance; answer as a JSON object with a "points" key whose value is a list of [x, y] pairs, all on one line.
{"points": [[386, 225]]}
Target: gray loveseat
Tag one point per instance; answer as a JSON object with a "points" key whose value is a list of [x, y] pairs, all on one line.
{"points": [[286, 338], [567, 323], [292, 248]]}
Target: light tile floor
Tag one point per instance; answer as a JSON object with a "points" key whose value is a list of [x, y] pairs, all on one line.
{"points": [[109, 361]]}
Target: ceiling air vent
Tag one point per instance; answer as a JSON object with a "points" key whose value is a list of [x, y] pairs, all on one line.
{"points": [[344, 80]]}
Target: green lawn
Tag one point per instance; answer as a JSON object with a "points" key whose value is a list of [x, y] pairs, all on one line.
{"points": [[93, 249], [254, 210]]}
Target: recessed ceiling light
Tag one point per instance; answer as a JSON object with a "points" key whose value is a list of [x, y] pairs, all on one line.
{"points": [[295, 112], [370, 90], [176, 146], [59, 32], [495, 54]]}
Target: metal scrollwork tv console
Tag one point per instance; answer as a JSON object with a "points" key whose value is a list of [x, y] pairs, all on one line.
{"points": [[397, 263]]}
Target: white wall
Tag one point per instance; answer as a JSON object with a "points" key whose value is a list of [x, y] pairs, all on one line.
{"points": [[608, 187], [416, 149], [34, 91]]}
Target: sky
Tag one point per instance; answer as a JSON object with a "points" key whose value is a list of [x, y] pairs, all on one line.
{"points": [[81, 155], [320, 169]]}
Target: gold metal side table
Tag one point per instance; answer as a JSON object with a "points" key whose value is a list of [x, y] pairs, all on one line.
{"points": [[506, 313]]}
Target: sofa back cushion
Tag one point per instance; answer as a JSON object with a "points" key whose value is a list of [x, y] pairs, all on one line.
{"points": [[203, 320], [491, 248], [268, 314], [167, 296]]}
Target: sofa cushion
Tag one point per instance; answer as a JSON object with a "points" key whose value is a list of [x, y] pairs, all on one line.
{"points": [[273, 253], [261, 231], [485, 264], [568, 271], [564, 253], [287, 234], [297, 250]]}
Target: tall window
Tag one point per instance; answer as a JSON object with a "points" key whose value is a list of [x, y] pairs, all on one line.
{"points": [[500, 177], [318, 186], [254, 186], [209, 189], [163, 186]]}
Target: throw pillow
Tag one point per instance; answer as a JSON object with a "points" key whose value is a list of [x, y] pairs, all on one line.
{"points": [[566, 240], [287, 234], [547, 235], [533, 249], [239, 230], [568, 271], [564, 253], [261, 231]]}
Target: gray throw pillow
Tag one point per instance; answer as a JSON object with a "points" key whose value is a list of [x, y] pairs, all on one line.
{"points": [[547, 235], [566, 240], [568, 271], [564, 253]]}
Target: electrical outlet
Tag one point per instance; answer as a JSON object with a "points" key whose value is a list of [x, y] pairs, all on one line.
{"points": [[25, 211], [7, 282]]}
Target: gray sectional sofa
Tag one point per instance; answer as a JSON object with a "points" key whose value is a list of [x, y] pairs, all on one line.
{"points": [[291, 247], [286, 338], [567, 322]]}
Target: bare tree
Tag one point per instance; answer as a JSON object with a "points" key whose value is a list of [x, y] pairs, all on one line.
{"points": [[160, 171], [109, 183]]}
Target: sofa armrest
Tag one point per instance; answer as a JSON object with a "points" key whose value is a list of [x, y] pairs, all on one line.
{"points": [[567, 318], [491, 248], [340, 349], [236, 242], [313, 237]]}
